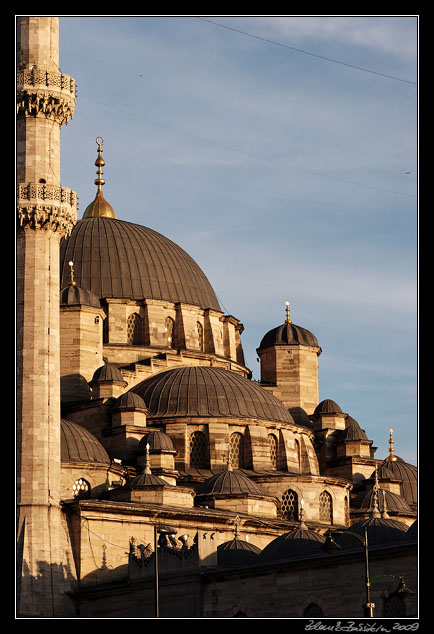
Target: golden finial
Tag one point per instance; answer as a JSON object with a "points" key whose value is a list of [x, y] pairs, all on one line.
{"points": [[391, 457], [99, 207], [287, 320], [71, 273], [99, 163]]}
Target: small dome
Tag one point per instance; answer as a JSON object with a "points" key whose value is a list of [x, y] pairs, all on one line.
{"points": [[79, 445], [400, 470], [129, 401], [380, 532], [229, 482], [353, 431], [144, 480], [107, 372], [76, 296], [328, 407], [158, 441], [237, 552], [205, 391], [300, 542], [394, 503], [300, 417], [288, 334]]}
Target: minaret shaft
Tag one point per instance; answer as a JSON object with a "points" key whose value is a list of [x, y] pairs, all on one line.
{"points": [[45, 213]]}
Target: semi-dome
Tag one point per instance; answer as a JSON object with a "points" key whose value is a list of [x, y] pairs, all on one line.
{"points": [[237, 552], [205, 391], [300, 542], [400, 470], [288, 334], [77, 444], [118, 259]]}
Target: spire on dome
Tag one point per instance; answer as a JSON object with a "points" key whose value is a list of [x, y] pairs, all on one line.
{"points": [[287, 320], [99, 207], [391, 457]]}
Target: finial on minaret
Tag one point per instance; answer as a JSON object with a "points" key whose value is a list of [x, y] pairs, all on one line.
{"points": [[391, 457], [287, 320], [71, 273], [99, 207]]}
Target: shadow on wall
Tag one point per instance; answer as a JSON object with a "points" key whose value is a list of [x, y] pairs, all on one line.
{"points": [[74, 387]]}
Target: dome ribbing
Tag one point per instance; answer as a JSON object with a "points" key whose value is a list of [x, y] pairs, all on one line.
{"points": [[79, 445], [119, 259], [205, 391]]}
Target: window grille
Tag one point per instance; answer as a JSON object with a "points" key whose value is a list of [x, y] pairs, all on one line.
{"points": [[272, 444], [80, 488], [290, 505], [198, 452], [200, 336], [134, 329], [325, 507], [236, 450]]}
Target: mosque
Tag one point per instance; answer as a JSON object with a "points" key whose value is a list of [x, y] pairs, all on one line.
{"points": [[155, 478]]}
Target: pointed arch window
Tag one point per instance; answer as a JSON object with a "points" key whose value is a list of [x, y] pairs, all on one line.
{"points": [[199, 329], [236, 450], [272, 445], [134, 330], [325, 507], [198, 450], [169, 330], [289, 504]]}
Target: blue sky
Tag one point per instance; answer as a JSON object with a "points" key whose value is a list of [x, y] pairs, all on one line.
{"points": [[285, 175]]}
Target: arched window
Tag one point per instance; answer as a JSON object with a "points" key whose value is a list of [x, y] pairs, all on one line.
{"points": [[169, 331], [290, 505], [312, 611], [199, 328], [134, 330], [236, 450], [81, 489], [198, 452], [298, 454], [325, 507], [272, 444], [105, 330]]}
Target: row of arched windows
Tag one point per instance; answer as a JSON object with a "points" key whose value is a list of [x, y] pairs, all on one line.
{"points": [[136, 335], [199, 451]]}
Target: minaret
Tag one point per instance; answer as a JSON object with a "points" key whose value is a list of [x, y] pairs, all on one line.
{"points": [[46, 212]]}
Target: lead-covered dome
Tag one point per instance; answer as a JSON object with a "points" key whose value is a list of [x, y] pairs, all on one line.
{"points": [[118, 259], [204, 391], [288, 334], [300, 542], [79, 445]]}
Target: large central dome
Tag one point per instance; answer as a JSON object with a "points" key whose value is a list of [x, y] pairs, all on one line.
{"points": [[118, 259]]}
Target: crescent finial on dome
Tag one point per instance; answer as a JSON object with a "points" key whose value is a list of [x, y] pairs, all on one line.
{"points": [[99, 207]]}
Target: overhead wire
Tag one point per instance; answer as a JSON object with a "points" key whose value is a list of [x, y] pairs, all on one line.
{"points": [[250, 154], [299, 50]]}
